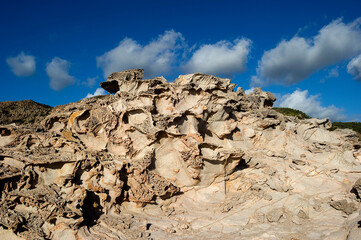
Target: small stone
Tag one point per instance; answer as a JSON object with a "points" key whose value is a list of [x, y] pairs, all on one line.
{"points": [[184, 226], [344, 206], [294, 167], [317, 206], [302, 214], [357, 188], [171, 230], [268, 197], [274, 215], [299, 162], [249, 132], [227, 207]]}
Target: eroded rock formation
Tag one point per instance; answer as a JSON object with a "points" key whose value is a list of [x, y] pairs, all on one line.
{"points": [[187, 159]]}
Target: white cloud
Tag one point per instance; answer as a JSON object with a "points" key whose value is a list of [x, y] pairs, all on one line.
{"points": [[294, 60], [57, 71], [309, 104], [256, 82], [221, 58], [333, 73], [90, 82], [22, 65], [98, 91], [354, 67], [157, 57], [251, 90]]}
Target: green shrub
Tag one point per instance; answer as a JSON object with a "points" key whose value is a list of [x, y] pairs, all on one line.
{"points": [[22, 112], [356, 126], [292, 112]]}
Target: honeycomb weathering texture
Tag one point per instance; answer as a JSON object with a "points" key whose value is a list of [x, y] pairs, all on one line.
{"points": [[186, 159]]}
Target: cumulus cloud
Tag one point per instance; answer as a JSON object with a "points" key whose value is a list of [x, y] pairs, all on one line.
{"points": [[310, 104], [354, 67], [57, 71], [294, 60], [251, 90], [157, 57], [221, 58], [98, 91], [22, 65]]}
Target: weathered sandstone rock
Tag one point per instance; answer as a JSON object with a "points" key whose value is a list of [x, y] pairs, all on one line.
{"points": [[178, 160]]}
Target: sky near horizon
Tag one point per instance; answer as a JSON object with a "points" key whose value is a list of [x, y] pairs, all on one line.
{"points": [[308, 53]]}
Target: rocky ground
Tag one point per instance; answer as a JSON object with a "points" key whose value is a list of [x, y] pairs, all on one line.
{"points": [[190, 159]]}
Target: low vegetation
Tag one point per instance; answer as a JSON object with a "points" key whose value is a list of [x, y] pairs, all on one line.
{"points": [[292, 112], [356, 126], [22, 112]]}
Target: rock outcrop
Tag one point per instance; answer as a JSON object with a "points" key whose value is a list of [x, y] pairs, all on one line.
{"points": [[178, 160]]}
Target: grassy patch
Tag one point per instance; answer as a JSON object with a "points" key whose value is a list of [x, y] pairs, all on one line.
{"points": [[356, 126], [292, 112], [23, 112]]}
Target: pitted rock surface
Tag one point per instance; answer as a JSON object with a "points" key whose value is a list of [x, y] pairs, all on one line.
{"points": [[178, 160]]}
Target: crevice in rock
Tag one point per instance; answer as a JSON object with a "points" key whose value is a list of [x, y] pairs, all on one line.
{"points": [[91, 208]]}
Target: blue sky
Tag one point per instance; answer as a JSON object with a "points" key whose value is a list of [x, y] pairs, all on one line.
{"points": [[306, 52]]}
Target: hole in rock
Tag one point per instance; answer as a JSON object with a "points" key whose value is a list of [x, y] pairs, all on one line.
{"points": [[32, 179], [9, 184], [268, 103], [52, 221], [160, 135], [170, 194], [20, 227], [54, 166], [125, 119], [92, 210], [202, 127], [354, 191], [110, 86], [152, 164], [5, 132], [77, 178], [154, 111], [241, 165], [50, 123], [158, 91], [124, 178], [84, 116]]}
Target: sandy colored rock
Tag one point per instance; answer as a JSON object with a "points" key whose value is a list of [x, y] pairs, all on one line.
{"points": [[189, 159], [275, 215], [357, 188], [344, 206]]}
